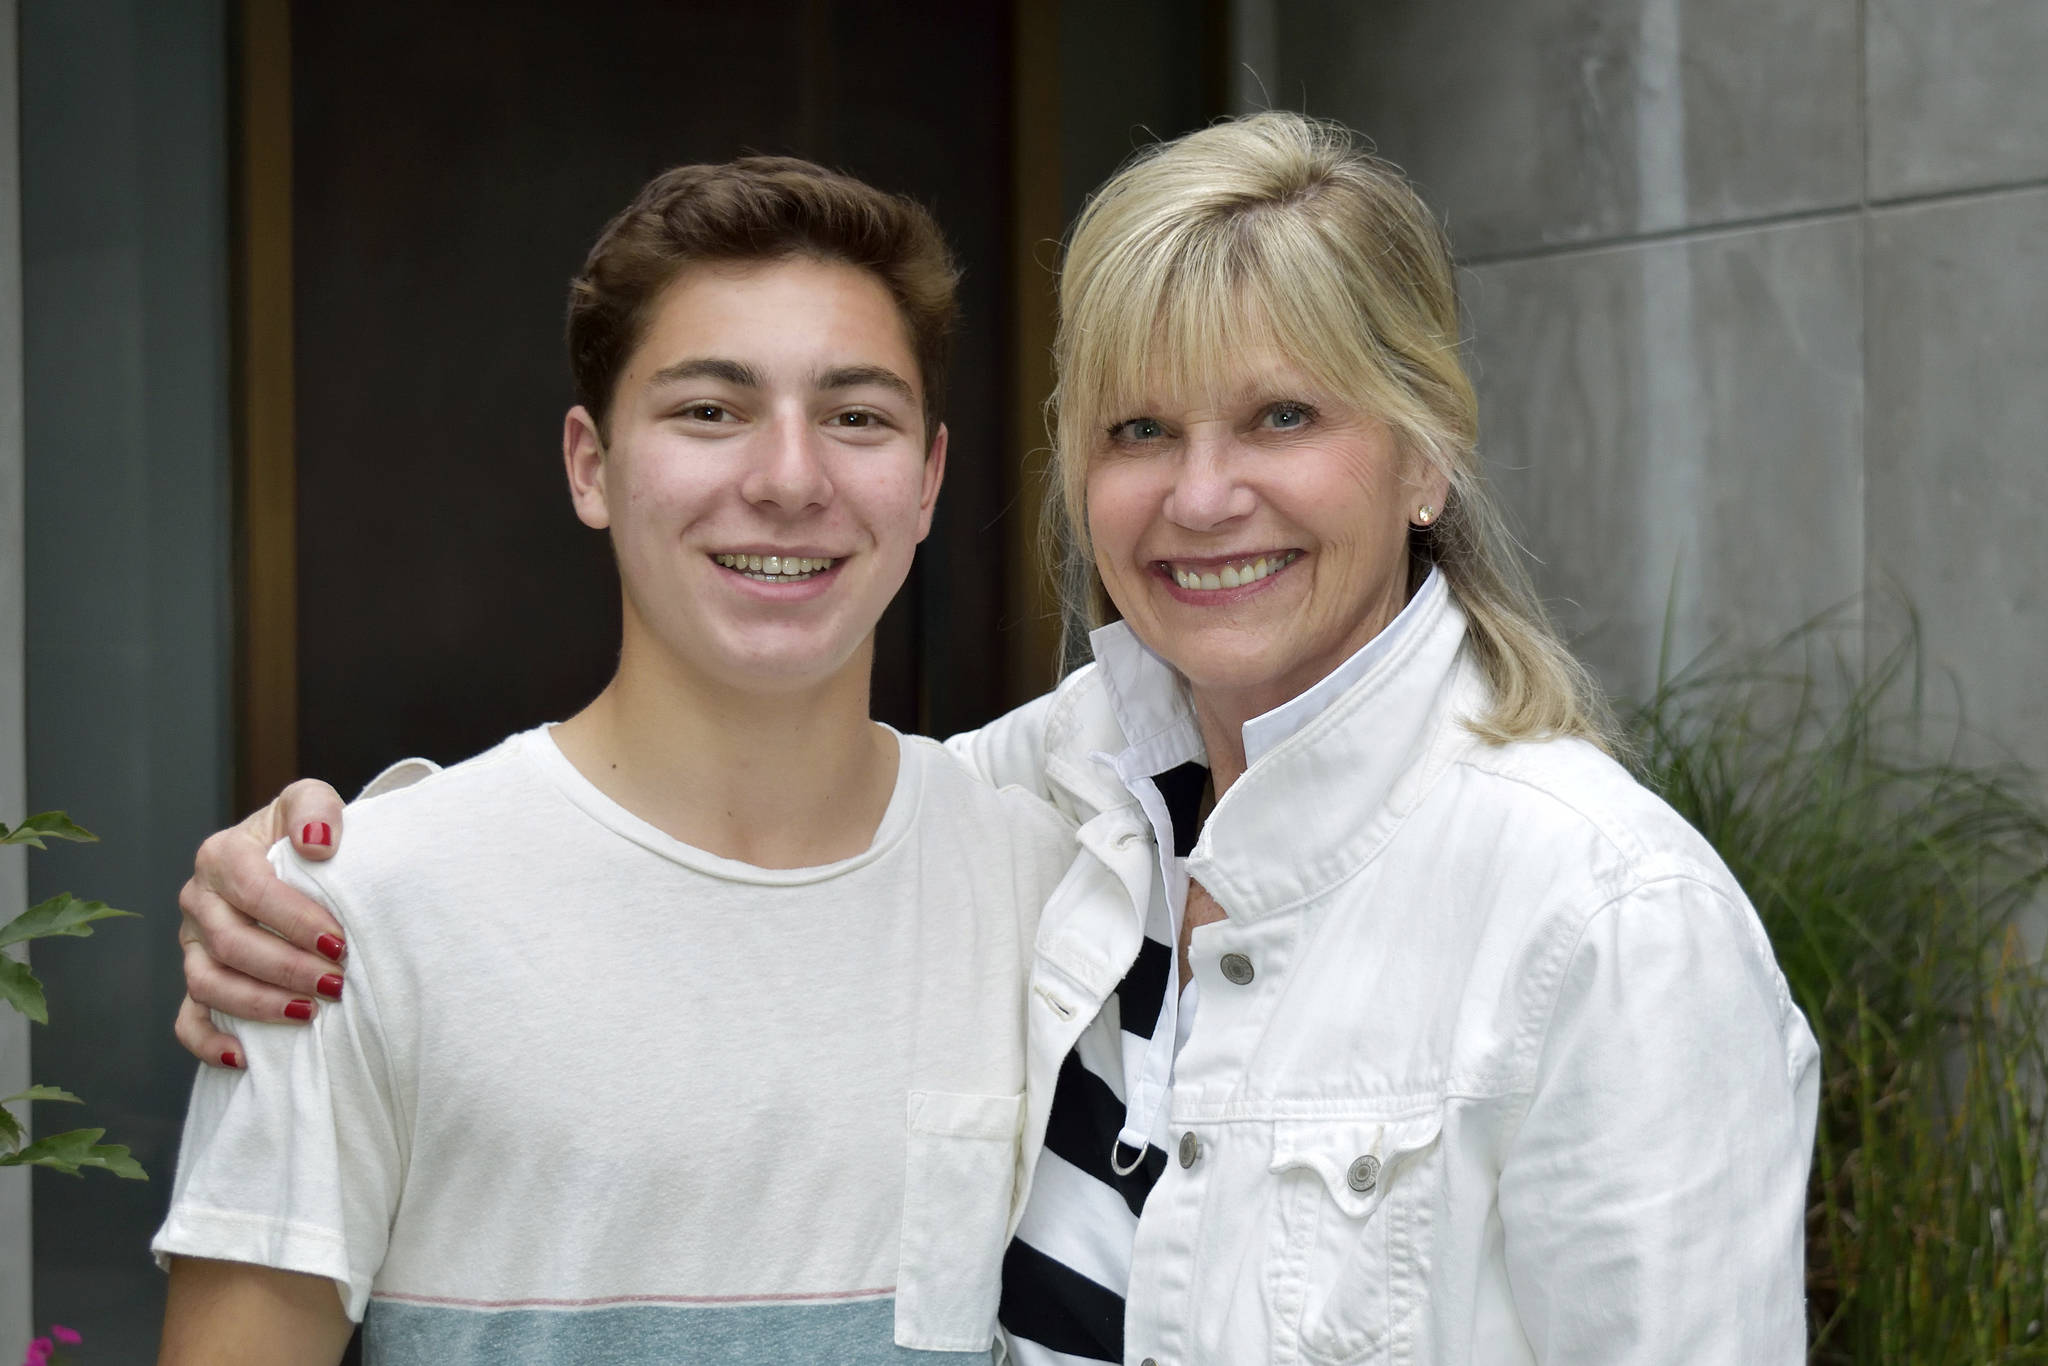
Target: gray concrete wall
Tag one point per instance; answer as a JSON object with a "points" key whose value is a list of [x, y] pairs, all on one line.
{"points": [[1758, 297], [15, 1280], [124, 259]]}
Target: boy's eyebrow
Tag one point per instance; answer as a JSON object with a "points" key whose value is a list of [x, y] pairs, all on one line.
{"points": [[854, 376], [736, 373]]}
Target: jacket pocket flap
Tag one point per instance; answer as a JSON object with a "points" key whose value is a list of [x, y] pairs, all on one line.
{"points": [[1356, 1159]]}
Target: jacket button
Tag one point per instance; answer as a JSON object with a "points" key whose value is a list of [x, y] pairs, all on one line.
{"points": [[1364, 1174], [1236, 968], [1190, 1149]]}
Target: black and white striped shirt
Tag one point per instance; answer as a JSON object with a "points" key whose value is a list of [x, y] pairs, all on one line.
{"points": [[1065, 1274]]}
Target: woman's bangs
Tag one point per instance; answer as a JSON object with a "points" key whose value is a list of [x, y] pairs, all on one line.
{"points": [[1178, 338], [1184, 319], [1305, 311]]}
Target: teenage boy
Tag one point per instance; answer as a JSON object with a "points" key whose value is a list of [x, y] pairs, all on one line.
{"points": [[689, 1029]]}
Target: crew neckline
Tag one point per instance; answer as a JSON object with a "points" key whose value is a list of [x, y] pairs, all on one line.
{"points": [[539, 746]]}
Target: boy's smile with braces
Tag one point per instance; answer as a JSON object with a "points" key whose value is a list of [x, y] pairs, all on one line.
{"points": [[775, 568]]}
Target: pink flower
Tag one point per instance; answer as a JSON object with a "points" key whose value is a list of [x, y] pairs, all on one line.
{"points": [[68, 1336], [38, 1352]]}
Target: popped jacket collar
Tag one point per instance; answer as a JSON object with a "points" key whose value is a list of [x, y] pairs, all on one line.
{"points": [[1315, 808], [1128, 702], [1321, 804]]}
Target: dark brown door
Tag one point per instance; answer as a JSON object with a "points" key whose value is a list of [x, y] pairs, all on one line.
{"points": [[451, 163]]}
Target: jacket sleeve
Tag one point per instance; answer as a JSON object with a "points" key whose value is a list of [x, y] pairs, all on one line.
{"points": [[1010, 750], [1653, 1199]]}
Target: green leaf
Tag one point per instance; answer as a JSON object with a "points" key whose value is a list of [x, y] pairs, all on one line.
{"points": [[73, 1151], [49, 825], [61, 914], [42, 1093], [10, 1130], [20, 989], [114, 1157]]}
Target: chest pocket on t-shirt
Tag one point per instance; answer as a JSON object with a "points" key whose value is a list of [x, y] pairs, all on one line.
{"points": [[1353, 1244], [960, 1173]]}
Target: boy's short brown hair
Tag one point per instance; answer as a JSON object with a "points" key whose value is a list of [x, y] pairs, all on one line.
{"points": [[755, 209]]}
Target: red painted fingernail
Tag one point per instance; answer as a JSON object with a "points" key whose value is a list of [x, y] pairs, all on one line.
{"points": [[230, 1058], [299, 1010], [316, 832], [330, 946], [330, 986]]}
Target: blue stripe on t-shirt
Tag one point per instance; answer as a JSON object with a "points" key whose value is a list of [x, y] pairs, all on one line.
{"points": [[855, 1333]]}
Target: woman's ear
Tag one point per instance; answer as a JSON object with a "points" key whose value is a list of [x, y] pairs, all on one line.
{"points": [[584, 459], [1429, 504], [1426, 487]]}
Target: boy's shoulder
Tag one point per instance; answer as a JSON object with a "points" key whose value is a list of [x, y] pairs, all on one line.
{"points": [[1010, 844], [500, 778], [466, 818], [955, 791]]}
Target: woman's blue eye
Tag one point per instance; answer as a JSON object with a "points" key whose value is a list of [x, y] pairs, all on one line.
{"points": [[1139, 429], [1288, 415]]}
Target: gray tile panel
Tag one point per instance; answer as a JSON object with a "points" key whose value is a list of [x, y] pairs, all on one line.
{"points": [[1956, 94], [1679, 423], [1538, 122], [15, 1244], [1958, 450]]}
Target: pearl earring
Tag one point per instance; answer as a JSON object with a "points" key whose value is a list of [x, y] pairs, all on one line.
{"points": [[1425, 514]]}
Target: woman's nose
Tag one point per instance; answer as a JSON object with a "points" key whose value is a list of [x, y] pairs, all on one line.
{"points": [[1207, 490], [788, 471]]}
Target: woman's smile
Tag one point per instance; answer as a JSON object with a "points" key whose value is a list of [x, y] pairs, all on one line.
{"points": [[1214, 580]]}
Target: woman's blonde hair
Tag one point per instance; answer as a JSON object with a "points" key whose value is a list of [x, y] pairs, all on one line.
{"points": [[1276, 232]]}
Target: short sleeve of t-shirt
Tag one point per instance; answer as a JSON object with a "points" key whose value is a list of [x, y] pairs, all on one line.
{"points": [[295, 1162]]}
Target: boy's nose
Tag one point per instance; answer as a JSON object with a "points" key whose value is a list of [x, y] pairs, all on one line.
{"points": [[789, 472]]}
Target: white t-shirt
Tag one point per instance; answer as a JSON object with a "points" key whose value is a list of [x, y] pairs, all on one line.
{"points": [[595, 1095]]}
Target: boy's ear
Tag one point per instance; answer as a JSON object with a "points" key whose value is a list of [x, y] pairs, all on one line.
{"points": [[583, 458], [934, 475]]}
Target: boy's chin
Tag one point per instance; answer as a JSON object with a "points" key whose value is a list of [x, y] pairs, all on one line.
{"points": [[790, 671]]}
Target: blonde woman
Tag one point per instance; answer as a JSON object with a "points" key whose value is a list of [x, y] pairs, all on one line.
{"points": [[1383, 1017]]}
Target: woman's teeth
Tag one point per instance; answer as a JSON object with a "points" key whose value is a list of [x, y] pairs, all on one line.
{"points": [[1234, 575], [774, 568]]}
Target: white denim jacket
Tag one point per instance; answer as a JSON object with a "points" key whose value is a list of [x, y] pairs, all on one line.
{"points": [[1514, 1076]]}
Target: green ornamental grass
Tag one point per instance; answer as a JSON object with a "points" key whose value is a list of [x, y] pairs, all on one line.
{"points": [[1895, 880]]}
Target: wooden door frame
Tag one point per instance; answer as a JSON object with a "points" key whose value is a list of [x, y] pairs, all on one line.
{"points": [[265, 574]]}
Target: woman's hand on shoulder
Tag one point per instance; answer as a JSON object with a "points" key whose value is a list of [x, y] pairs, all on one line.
{"points": [[232, 962]]}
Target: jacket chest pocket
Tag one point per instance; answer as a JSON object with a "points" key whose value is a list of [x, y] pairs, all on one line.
{"points": [[1352, 1254], [960, 1172]]}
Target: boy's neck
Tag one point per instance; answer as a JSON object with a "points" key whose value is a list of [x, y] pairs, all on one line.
{"points": [[782, 780]]}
